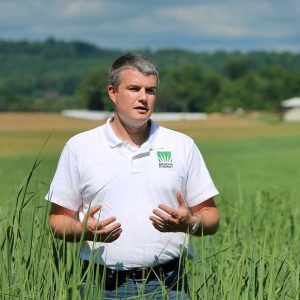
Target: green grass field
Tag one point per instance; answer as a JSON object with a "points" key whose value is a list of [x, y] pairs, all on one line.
{"points": [[255, 254]]}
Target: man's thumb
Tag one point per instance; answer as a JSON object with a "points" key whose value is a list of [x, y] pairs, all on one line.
{"points": [[180, 198], [94, 209]]}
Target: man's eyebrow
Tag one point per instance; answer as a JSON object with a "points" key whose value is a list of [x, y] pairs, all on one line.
{"points": [[137, 85]]}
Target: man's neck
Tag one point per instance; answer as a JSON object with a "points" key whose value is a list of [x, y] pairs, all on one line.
{"points": [[134, 135]]}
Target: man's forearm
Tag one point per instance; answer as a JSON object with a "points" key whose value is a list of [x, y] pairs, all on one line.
{"points": [[66, 227], [209, 219]]}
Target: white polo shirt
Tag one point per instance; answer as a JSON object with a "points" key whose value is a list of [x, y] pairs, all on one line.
{"points": [[96, 167]]}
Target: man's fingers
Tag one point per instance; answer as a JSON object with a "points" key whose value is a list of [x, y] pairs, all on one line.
{"points": [[108, 229], [105, 222], [109, 234], [111, 237], [169, 216], [94, 209], [170, 211], [161, 225], [102, 231], [106, 234], [167, 219], [180, 199], [159, 228], [157, 221]]}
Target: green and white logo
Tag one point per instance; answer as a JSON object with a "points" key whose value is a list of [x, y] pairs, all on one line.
{"points": [[165, 159]]}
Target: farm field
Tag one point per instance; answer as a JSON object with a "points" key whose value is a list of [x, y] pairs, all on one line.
{"points": [[254, 162]]}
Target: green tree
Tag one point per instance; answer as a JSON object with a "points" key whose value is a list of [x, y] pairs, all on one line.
{"points": [[92, 92], [8, 99], [236, 69]]}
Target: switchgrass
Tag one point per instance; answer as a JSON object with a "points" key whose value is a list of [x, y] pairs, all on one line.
{"points": [[255, 254]]}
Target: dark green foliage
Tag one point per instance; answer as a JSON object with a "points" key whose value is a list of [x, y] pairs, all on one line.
{"points": [[53, 75], [92, 91]]}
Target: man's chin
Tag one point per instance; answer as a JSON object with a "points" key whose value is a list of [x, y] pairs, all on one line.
{"points": [[136, 119], [142, 115], [140, 120]]}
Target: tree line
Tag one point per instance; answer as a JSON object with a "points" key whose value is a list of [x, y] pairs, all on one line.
{"points": [[55, 75]]}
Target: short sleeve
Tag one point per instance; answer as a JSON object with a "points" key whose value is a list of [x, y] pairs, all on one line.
{"points": [[65, 186], [200, 186]]}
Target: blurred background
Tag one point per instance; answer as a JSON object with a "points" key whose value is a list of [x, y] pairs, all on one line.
{"points": [[213, 56]]}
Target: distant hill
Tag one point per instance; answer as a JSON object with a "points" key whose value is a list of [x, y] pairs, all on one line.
{"points": [[54, 69]]}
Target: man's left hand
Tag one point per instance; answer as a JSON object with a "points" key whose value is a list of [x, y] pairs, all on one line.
{"points": [[167, 219]]}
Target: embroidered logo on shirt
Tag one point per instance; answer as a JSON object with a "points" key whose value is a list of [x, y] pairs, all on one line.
{"points": [[164, 159]]}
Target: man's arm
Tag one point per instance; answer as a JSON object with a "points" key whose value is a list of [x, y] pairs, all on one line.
{"points": [[64, 224], [167, 219], [208, 216]]}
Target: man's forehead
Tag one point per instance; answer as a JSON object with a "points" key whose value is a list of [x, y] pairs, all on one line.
{"points": [[132, 75]]}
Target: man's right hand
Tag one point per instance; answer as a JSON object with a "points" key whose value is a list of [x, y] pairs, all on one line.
{"points": [[65, 226], [100, 231]]}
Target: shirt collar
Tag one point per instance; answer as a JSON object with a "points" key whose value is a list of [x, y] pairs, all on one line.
{"points": [[153, 142], [111, 137]]}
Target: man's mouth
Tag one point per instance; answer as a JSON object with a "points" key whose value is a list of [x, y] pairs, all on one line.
{"points": [[143, 108]]}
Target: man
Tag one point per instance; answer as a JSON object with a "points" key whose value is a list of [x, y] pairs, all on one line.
{"points": [[133, 191]]}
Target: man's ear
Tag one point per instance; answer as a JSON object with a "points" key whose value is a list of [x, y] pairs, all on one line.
{"points": [[111, 90]]}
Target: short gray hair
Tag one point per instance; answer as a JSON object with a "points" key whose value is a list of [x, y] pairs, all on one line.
{"points": [[131, 61]]}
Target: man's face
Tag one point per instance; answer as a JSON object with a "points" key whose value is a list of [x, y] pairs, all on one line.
{"points": [[134, 98]]}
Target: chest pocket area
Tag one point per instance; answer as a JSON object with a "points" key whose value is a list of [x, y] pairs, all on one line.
{"points": [[165, 173]]}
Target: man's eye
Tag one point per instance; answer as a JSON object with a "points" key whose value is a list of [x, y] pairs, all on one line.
{"points": [[151, 91], [134, 89]]}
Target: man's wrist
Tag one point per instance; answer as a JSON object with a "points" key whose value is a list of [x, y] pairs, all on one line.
{"points": [[195, 228]]}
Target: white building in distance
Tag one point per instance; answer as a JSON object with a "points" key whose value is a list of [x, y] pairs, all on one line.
{"points": [[292, 109]]}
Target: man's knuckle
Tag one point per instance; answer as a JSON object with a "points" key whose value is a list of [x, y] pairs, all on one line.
{"points": [[169, 219]]}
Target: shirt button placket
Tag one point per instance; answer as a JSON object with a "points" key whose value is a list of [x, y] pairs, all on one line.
{"points": [[133, 164]]}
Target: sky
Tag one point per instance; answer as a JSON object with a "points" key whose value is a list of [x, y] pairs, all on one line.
{"points": [[208, 25]]}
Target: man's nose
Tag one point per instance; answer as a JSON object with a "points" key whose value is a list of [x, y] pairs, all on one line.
{"points": [[142, 95]]}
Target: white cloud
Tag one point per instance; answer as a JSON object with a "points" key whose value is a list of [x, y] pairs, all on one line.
{"points": [[13, 12], [169, 23], [81, 8], [228, 21]]}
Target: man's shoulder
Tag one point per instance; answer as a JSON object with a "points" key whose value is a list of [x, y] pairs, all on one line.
{"points": [[172, 136]]}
